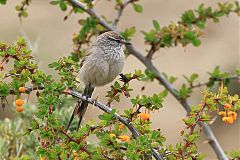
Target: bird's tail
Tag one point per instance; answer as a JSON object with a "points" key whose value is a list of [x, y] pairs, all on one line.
{"points": [[81, 106]]}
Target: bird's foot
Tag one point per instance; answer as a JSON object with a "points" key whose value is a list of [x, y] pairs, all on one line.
{"points": [[109, 104], [94, 101], [123, 78]]}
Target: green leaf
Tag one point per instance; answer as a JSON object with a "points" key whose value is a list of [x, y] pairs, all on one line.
{"points": [[193, 77], [238, 71], [4, 89], [201, 24], [150, 36], [54, 2], [196, 42], [172, 79], [113, 111], [184, 91], [156, 25], [189, 121], [167, 39], [63, 6], [21, 41], [117, 86], [188, 17], [154, 144], [78, 10], [3, 1], [2, 54], [24, 13], [191, 35], [192, 137], [129, 32], [11, 51], [138, 8], [134, 102]]}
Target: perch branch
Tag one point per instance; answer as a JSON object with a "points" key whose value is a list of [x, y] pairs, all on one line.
{"points": [[104, 108], [159, 76]]}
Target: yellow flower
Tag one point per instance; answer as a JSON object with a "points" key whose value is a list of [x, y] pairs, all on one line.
{"points": [[112, 135], [233, 115], [124, 138], [144, 116], [222, 113], [228, 120], [22, 89], [120, 126], [227, 106]]}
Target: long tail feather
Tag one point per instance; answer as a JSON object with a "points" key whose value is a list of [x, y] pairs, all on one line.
{"points": [[81, 106], [73, 115]]}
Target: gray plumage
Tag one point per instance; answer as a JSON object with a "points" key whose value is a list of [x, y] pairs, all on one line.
{"points": [[102, 64]]}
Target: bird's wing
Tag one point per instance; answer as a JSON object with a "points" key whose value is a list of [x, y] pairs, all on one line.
{"points": [[88, 53]]}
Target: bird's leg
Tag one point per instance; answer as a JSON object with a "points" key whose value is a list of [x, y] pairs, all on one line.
{"points": [[109, 104], [123, 78], [95, 100]]}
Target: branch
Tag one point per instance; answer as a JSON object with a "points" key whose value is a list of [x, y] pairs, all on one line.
{"points": [[159, 76], [70, 138], [92, 13], [106, 109], [120, 11], [235, 77]]}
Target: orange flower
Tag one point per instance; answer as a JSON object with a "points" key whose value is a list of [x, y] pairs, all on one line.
{"points": [[120, 126], [227, 106], [22, 89], [75, 153], [43, 158], [222, 113], [19, 102], [112, 135], [19, 108], [124, 138], [233, 115], [228, 120], [144, 116]]}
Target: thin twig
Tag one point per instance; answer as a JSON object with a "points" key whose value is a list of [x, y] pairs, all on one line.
{"points": [[159, 76], [236, 77], [92, 13], [70, 138], [120, 11]]}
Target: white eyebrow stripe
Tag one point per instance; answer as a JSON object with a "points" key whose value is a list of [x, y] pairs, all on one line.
{"points": [[116, 39]]}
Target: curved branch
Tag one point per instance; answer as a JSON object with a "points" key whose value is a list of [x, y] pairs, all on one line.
{"points": [[159, 76], [120, 11], [92, 13], [235, 77], [106, 109]]}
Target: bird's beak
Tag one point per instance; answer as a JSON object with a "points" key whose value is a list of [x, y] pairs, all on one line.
{"points": [[125, 42]]}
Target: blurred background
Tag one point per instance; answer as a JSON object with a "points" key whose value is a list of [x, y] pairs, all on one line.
{"points": [[51, 37]]}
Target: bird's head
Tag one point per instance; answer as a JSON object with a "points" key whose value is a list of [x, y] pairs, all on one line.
{"points": [[113, 37]]}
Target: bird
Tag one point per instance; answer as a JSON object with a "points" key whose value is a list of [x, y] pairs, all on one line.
{"points": [[103, 62]]}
